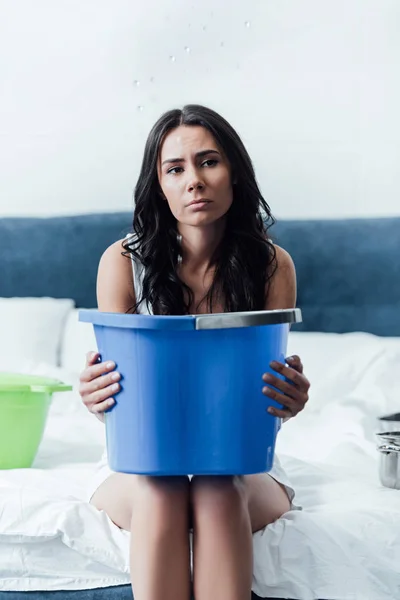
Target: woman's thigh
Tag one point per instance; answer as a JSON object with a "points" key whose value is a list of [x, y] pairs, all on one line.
{"points": [[120, 492], [267, 499]]}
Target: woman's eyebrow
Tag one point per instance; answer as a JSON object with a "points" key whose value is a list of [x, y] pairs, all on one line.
{"points": [[198, 155]]}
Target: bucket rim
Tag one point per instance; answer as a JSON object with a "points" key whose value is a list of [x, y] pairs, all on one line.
{"points": [[227, 320]]}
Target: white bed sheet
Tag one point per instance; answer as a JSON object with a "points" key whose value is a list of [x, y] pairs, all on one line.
{"points": [[344, 545]]}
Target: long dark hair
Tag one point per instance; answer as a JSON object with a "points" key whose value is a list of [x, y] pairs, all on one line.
{"points": [[245, 259]]}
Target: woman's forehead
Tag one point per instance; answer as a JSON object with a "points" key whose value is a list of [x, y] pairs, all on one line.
{"points": [[187, 138]]}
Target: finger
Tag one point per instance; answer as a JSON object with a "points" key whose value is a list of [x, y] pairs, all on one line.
{"points": [[92, 358], [298, 379], [102, 406], [286, 401], [283, 414], [93, 371], [287, 388], [101, 395], [100, 383], [294, 361]]}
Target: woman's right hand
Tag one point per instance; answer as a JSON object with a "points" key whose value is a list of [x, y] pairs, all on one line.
{"points": [[98, 384]]}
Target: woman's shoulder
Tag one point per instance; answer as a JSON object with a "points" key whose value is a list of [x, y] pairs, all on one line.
{"points": [[281, 286], [115, 253], [283, 259], [115, 291]]}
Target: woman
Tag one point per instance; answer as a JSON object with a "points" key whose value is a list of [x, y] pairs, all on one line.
{"points": [[199, 245]]}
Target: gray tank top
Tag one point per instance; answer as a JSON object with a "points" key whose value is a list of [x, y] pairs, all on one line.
{"points": [[138, 274]]}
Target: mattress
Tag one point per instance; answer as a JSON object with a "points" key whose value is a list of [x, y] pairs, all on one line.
{"points": [[344, 545]]}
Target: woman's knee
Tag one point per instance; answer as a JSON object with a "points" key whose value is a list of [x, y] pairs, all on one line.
{"points": [[167, 492], [164, 499], [124, 496], [220, 496]]}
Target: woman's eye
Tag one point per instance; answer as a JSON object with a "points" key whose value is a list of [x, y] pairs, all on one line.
{"points": [[211, 162], [173, 170]]}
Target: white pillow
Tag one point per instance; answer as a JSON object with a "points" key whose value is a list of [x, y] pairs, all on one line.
{"points": [[31, 329], [77, 339], [341, 364]]}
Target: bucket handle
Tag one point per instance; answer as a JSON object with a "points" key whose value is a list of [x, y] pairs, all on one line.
{"points": [[247, 319]]}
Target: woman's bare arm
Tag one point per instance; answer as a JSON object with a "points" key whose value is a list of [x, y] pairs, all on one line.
{"points": [[115, 289], [115, 293]]}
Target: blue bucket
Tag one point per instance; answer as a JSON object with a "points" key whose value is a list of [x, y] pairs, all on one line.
{"points": [[191, 398]]}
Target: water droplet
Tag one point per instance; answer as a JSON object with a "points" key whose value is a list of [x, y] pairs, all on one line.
{"points": [[247, 23], [204, 27], [172, 58], [136, 83], [140, 108], [222, 44], [187, 49], [151, 79]]}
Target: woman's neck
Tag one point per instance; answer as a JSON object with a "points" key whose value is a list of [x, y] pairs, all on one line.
{"points": [[199, 244]]}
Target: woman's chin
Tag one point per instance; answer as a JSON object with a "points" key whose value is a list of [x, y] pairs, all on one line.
{"points": [[203, 218]]}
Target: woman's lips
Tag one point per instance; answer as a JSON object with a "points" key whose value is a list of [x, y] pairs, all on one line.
{"points": [[199, 201], [199, 204]]}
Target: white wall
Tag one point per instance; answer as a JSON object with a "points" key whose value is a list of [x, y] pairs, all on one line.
{"points": [[313, 87]]}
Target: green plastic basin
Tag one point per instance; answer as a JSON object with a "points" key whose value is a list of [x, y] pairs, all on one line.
{"points": [[24, 405]]}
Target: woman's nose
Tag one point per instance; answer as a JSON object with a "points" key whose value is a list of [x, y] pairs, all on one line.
{"points": [[195, 184], [194, 180]]}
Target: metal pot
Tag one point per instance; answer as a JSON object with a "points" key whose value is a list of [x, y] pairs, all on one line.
{"points": [[389, 465], [389, 422], [391, 438], [389, 450]]}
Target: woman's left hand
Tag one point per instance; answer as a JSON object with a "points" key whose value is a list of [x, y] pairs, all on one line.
{"points": [[294, 395]]}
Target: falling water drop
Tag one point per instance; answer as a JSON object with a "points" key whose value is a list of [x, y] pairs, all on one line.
{"points": [[247, 23], [140, 108], [151, 79], [187, 49], [222, 44], [204, 27], [172, 58], [136, 83]]}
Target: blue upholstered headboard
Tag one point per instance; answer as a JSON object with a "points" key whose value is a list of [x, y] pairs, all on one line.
{"points": [[348, 271]]}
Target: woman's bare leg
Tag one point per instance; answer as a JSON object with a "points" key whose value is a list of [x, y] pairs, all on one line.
{"points": [[156, 512], [226, 511], [222, 539]]}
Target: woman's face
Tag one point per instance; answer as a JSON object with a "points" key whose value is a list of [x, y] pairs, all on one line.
{"points": [[194, 175]]}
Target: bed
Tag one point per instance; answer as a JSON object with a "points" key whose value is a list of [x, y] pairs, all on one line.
{"points": [[343, 545]]}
